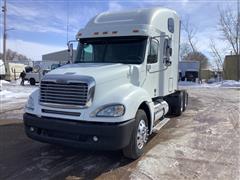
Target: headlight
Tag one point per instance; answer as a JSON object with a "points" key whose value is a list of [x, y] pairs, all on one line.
{"points": [[115, 110], [30, 104]]}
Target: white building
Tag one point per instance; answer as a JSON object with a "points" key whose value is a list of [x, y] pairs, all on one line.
{"points": [[55, 59]]}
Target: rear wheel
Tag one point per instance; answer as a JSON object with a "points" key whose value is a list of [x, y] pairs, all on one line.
{"points": [[32, 81], [179, 103], [139, 136]]}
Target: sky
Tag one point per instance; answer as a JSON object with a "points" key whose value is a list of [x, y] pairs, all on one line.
{"points": [[37, 27]]}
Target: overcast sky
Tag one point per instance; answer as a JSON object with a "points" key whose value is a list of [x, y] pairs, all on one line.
{"points": [[40, 26]]}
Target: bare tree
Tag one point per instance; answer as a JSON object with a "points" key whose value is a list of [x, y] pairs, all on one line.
{"points": [[229, 26], [188, 50], [12, 55], [190, 31], [218, 58], [198, 56], [185, 49]]}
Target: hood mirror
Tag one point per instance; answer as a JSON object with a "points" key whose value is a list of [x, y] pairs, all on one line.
{"points": [[70, 49], [152, 58]]}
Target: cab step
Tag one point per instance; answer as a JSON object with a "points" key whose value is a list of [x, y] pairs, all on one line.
{"points": [[160, 124]]}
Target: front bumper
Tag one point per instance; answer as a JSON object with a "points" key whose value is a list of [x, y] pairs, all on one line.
{"points": [[111, 136]]}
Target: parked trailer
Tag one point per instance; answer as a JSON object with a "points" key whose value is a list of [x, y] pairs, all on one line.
{"points": [[119, 88], [13, 71], [189, 70], [2, 70]]}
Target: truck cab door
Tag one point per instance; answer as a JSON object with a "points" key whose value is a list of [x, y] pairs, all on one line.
{"points": [[153, 67], [152, 58]]}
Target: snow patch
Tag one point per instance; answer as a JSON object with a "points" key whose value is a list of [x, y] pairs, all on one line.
{"points": [[12, 91], [222, 84], [4, 82], [8, 95]]}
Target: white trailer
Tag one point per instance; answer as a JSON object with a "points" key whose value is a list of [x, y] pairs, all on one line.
{"points": [[13, 71], [2, 70], [119, 88]]}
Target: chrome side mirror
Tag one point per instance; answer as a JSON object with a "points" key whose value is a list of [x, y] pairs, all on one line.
{"points": [[167, 52]]}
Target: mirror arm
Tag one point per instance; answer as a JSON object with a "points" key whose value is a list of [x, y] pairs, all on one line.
{"points": [[69, 42], [148, 67], [166, 36]]}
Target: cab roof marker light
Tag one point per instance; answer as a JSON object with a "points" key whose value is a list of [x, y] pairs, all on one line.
{"points": [[114, 32], [96, 33], [135, 31], [105, 32], [79, 34]]}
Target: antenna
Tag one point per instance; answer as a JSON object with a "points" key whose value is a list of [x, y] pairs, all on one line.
{"points": [[67, 19]]}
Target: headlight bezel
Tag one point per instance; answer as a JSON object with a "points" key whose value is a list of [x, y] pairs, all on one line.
{"points": [[30, 104], [103, 109]]}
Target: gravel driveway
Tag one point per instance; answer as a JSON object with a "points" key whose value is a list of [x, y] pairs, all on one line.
{"points": [[204, 143]]}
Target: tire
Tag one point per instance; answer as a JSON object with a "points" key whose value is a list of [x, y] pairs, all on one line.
{"points": [[135, 149], [179, 103], [32, 81], [185, 100]]}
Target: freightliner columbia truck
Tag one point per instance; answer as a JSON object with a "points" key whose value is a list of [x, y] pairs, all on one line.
{"points": [[119, 87]]}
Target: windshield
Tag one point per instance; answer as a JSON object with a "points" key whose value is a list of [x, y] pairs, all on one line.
{"points": [[127, 50]]}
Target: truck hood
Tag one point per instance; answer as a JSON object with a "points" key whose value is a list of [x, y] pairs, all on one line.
{"points": [[101, 72]]}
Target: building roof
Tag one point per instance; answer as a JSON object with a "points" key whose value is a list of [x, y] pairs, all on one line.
{"points": [[58, 56]]}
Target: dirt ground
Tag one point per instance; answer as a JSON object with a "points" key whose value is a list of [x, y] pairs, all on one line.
{"points": [[204, 143]]}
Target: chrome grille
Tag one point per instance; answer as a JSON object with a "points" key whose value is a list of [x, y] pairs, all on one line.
{"points": [[61, 112], [72, 93]]}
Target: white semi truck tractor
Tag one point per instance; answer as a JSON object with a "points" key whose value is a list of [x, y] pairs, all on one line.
{"points": [[120, 86]]}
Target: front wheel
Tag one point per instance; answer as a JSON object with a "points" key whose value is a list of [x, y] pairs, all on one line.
{"points": [[139, 136]]}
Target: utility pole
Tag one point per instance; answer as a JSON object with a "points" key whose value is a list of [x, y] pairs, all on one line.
{"points": [[238, 38], [238, 25], [4, 10]]}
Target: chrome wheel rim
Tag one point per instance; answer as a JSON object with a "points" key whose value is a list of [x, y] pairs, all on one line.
{"points": [[141, 134], [181, 107], [185, 104], [182, 104]]}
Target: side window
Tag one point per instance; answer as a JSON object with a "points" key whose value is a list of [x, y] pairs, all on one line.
{"points": [[171, 25], [153, 52]]}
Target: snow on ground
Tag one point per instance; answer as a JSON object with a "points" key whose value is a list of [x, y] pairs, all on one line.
{"points": [[7, 95], [4, 82], [11, 91], [221, 84]]}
